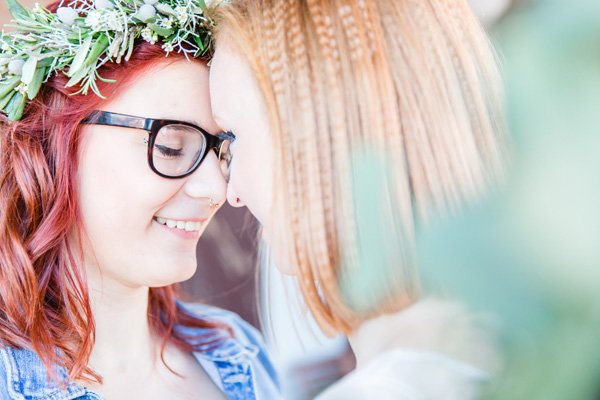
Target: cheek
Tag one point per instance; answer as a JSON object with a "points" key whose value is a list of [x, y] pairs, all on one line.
{"points": [[118, 195], [251, 178], [118, 200], [110, 181]]}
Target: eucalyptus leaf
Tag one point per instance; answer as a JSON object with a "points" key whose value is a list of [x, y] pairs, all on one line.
{"points": [[45, 62], [4, 101], [80, 57], [16, 9], [199, 42], [99, 46], [75, 37], [106, 79], [165, 9], [29, 69], [82, 73], [15, 107], [138, 20], [9, 85], [34, 86], [159, 30]]}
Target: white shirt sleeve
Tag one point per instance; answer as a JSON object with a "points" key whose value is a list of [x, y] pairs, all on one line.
{"points": [[406, 374]]}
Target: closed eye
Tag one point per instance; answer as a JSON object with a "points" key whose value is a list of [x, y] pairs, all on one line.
{"points": [[168, 151]]}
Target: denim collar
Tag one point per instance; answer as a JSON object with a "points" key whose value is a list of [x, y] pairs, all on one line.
{"points": [[27, 377]]}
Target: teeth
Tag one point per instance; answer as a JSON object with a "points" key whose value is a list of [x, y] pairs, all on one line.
{"points": [[188, 226]]}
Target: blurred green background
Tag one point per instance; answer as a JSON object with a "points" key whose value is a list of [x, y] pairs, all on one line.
{"points": [[530, 253]]}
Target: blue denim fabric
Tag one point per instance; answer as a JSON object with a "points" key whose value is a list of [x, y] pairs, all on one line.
{"points": [[238, 365]]}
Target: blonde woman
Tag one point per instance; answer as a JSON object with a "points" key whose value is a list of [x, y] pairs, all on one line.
{"points": [[356, 122]]}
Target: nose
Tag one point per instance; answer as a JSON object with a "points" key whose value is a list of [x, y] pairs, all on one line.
{"points": [[207, 181], [232, 196]]}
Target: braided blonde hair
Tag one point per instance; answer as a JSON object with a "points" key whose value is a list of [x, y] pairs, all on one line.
{"points": [[416, 82]]}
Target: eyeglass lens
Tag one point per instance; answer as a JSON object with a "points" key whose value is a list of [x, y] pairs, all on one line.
{"points": [[225, 158], [177, 149]]}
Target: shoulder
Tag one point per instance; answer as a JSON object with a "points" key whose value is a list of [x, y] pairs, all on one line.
{"points": [[245, 343], [5, 375], [407, 374], [22, 373], [24, 376]]}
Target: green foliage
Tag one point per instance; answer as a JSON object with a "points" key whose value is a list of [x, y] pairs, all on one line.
{"points": [[80, 37]]}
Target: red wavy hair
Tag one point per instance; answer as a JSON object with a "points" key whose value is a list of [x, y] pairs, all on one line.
{"points": [[44, 303]]}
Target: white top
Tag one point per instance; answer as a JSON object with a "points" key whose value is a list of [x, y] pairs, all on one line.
{"points": [[435, 349], [406, 374]]}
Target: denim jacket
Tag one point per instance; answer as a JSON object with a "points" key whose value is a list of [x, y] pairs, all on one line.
{"points": [[239, 365]]}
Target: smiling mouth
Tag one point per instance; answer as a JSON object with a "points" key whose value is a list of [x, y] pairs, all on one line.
{"points": [[187, 226]]}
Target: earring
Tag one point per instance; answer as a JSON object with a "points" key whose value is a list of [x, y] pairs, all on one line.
{"points": [[212, 204]]}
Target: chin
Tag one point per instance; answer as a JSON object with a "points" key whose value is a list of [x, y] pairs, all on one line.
{"points": [[174, 272]]}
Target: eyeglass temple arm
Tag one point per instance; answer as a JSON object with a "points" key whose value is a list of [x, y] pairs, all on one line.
{"points": [[115, 119], [227, 135]]}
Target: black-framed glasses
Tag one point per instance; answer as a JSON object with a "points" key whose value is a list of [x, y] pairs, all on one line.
{"points": [[175, 148]]}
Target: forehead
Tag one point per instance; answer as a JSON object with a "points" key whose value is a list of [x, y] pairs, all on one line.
{"points": [[169, 90], [234, 92]]}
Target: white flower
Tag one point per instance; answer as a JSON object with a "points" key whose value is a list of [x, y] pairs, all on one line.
{"points": [[146, 34], [149, 36], [3, 69], [150, 2], [94, 20], [146, 12], [66, 15], [15, 67], [168, 47], [167, 23], [37, 8], [182, 14], [114, 22], [22, 88], [5, 46], [103, 4]]}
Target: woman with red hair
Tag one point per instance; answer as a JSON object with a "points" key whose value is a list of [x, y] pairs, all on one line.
{"points": [[102, 202]]}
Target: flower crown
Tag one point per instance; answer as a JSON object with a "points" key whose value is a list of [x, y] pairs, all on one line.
{"points": [[85, 34]]}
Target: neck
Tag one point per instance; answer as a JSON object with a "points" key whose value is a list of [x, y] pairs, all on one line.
{"points": [[123, 337]]}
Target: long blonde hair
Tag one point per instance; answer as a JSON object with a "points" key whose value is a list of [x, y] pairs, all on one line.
{"points": [[412, 87]]}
